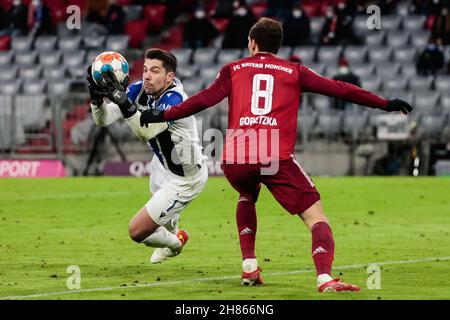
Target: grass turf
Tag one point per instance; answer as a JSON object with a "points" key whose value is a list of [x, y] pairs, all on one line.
{"points": [[47, 225]]}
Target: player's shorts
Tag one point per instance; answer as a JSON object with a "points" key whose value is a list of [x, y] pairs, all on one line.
{"points": [[290, 185], [171, 193]]}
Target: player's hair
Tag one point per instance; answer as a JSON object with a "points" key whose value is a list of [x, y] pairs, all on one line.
{"points": [[169, 61], [268, 34]]}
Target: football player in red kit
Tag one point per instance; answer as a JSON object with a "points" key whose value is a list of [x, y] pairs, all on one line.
{"points": [[264, 93]]}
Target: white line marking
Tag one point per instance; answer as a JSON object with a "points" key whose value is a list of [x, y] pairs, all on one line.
{"points": [[172, 283], [68, 196]]}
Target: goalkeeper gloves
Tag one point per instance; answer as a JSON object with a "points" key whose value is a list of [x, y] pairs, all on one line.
{"points": [[116, 92], [96, 92], [151, 116], [398, 105]]}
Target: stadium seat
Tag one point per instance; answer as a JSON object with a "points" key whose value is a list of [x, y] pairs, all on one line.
{"points": [[409, 69], [329, 124], [10, 87], [117, 43], [406, 95], [396, 83], [432, 125], [414, 22], [351, 120], [420, 39], [92, 54], [403, 9], [372, 83], [405, 54], [94, 42], [21, 43], [447, 53], [55, 73], [398, 39], [355, 54], [380, 54], [50, 59], [133, 12], [426, 101], [221, 24], [79, 73], [36, 86], [58, 11], [45, 43], [284, 53], [72, 43], [155, 14], [209, 73], [25, 58], [375, 38], [322, 103], [183, 55], [258, 9], [74, 59], [306, 122], [419, 83], [192, 86], [329, 54], [58, 89], [187, 71], [391, 22], [306, 53], [442, 83], [331, 70], [205, 56], [388, 69], [6, 121], [228, 55], [6, 58], [316, 26], [63, 31], [8, 73], [445, 102], [5, 43], [363, 69], [30, 111], [360, 25], [31, 72], [137, 31]]}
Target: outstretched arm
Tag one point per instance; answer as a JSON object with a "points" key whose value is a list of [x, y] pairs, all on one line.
{"points": [[120, 107], [312, 82], [215, 93]]}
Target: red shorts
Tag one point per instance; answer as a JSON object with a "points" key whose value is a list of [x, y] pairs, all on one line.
{"points": [[290, 185]]}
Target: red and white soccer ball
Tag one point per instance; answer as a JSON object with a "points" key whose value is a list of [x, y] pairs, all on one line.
{"points": [[110, 60]]}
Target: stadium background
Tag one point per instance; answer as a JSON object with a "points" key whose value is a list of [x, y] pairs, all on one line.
{"points": [[399, 224], [44, 110]]}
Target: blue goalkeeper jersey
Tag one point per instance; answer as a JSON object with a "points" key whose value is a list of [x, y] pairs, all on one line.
{"points": [[177, 148]]}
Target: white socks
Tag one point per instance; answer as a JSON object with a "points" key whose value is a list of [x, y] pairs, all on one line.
{"points": [[162, 238], [249, 265], [323, 278]]}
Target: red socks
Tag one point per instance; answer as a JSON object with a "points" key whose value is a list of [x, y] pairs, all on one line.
{"points": [[322, 237], [246, 223], [322, 247]]}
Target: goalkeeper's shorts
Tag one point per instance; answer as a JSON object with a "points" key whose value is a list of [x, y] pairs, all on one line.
{"points": [[171, 194]]}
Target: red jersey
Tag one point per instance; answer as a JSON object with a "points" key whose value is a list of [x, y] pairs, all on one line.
{"points": [[264, 93]]}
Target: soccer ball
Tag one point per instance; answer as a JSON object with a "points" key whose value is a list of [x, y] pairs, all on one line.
{"points": [[109, 60]]}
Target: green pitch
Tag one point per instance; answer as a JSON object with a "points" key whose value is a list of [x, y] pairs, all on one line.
{"points": [[48, 225]]}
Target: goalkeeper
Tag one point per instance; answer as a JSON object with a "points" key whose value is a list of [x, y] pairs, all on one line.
{"points": [[178, 168]]}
